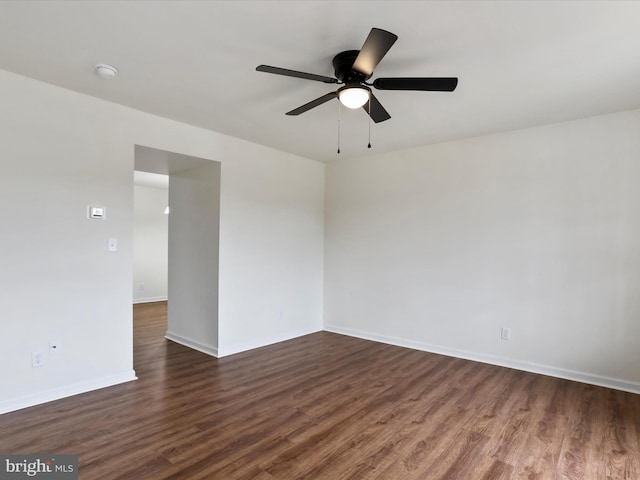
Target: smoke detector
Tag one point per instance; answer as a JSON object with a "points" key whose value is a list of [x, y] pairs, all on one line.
{"points": [[106, 71]]}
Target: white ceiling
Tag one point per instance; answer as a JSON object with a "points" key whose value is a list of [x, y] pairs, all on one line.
{"points": [[520, 63], [153, 180]]}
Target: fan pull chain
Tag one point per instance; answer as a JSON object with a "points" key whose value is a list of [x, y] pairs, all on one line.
{"points": [[369, 146], [338, 127]]}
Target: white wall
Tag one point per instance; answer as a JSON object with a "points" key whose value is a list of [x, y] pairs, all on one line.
{"points": [[194, 230], [536, 230], [150, 241], [272, 237], [62, 151]]}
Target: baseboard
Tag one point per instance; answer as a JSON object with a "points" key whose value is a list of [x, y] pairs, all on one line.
{"points": [[263, 342], [583, 377], [65, 391], [188, 342], [149, 300]]}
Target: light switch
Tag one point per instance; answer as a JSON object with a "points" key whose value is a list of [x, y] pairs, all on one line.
{"points": [[113, 245]]}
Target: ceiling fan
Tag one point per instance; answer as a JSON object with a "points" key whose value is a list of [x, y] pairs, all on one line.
{"points": [[353, 68]]}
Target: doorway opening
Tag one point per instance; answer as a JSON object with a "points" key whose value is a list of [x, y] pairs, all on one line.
{"points": [[192, 245], [150, 237]]}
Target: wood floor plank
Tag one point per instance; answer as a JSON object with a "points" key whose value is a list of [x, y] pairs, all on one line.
{"points": [[331, 407]]}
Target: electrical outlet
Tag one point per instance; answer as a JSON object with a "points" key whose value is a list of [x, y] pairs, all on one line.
{"points": [[141, 285], [37, 359], [505, 334]]}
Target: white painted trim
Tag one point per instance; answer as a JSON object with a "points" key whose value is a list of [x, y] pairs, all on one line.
{"points": [[243, 347], [65, 391], [149, 300], [583, 377], [188, 342]]}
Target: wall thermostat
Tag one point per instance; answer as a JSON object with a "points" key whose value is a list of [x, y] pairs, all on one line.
{"points": [[97, 213]]}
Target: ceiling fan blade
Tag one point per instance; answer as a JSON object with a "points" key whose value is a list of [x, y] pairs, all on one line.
{"points": [[313, 104], [375, 47], [443, 84], [378, 113], [294, 73]]}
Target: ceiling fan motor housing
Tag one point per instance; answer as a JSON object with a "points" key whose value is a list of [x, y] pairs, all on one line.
{"points": [[343, 67]]}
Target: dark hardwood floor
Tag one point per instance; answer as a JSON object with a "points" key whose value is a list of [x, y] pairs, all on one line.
{"points": [[326, 406]]}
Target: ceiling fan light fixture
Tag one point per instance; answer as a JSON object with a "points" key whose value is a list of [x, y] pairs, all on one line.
{"points": [[353, 68], [354, 96]]}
